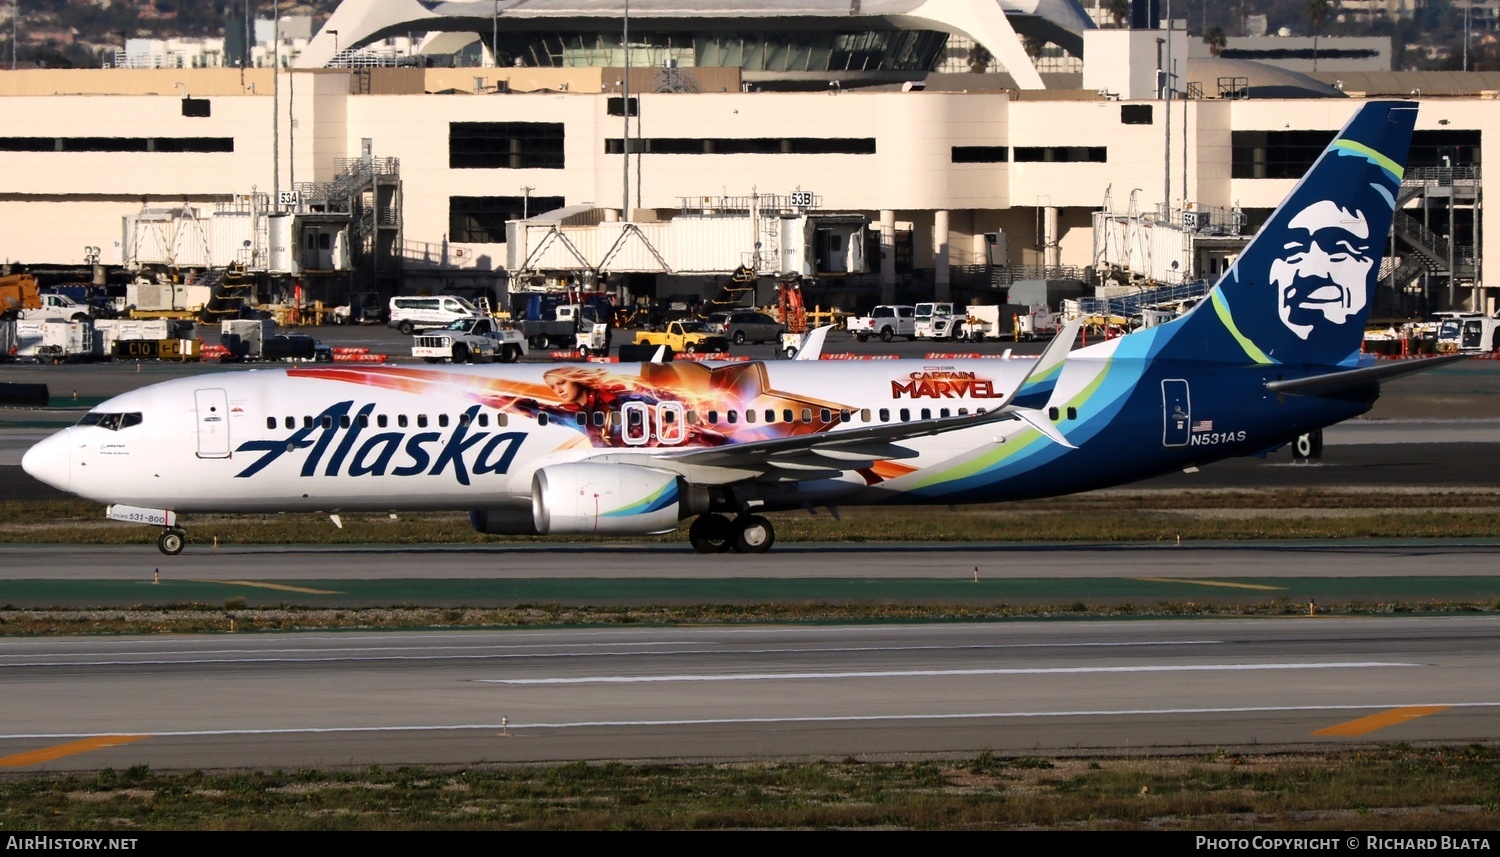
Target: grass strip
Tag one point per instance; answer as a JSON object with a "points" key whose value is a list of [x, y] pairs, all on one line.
{"points": [[1396, 788]]}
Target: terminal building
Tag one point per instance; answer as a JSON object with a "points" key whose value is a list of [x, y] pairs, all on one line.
{"points": [[693, 143]]}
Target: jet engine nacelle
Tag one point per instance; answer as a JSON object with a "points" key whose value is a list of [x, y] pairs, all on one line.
{"points": [[605, 499]]}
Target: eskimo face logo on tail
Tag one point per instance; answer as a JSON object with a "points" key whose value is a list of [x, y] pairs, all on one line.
{"points": [[1322, 278]]}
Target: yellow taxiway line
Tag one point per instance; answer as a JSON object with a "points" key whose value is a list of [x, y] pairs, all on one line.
{"points": [[1393, 717], [281, 586], [72, 748], [1222, 583]]}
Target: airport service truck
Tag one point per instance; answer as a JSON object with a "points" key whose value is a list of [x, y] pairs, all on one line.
{"points": [[470, 340], [937, 321], [685, 337], [886, 321]]}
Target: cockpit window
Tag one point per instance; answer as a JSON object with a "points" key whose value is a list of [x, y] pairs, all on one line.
{"points": [[111, 421]]}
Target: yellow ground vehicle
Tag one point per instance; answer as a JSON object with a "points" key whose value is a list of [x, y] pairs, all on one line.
{"points": [[688, 337]]}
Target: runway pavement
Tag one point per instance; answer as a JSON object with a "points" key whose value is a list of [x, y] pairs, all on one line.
{"points": [[869, 692]]}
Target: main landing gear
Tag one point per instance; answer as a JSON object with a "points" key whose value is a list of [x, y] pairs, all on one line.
{"points": [[745, 534], [170, 541]]}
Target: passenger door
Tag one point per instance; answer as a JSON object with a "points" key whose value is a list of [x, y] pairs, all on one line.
{"points": [[1177, 412], [213, 423]]}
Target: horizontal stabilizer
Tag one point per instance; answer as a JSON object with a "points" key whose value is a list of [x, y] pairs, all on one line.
{"points": [[1336, 383]]}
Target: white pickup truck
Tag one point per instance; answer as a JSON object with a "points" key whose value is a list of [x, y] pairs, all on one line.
{"points": [[470, 340], [57, 307], [887, 322]]}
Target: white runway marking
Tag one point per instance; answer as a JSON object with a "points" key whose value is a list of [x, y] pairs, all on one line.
{"points": [[943, 673], [514, 727], [256, 656]]}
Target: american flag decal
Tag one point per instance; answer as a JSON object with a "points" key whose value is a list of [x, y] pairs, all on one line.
{"points": [[1203, 425]]}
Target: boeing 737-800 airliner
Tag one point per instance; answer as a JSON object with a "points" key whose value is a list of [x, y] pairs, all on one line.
{"points": [[1273, 352]]}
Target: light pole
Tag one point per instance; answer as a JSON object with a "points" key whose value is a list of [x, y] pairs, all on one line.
{"points": [[335, 34], [495, 37], [276, 105], [625, 110]]}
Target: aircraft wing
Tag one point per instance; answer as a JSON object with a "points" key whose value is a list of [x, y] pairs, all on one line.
{"points": [[828, 454], [813, 456], [1355, 380]]}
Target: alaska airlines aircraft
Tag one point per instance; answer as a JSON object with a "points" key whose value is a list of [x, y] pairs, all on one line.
{"points": [[1273, 352]]}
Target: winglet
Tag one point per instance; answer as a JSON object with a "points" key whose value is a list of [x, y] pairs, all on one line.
{"points": [[1038, 420], [812, 346], [1035, 390]]}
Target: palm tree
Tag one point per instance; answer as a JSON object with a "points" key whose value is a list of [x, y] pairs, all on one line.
{"points": [[1119, 10], [1318, 12], [1216, 40]]}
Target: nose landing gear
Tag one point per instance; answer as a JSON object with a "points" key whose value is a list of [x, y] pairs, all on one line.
{"points": [[170, 541], [745, 534]]}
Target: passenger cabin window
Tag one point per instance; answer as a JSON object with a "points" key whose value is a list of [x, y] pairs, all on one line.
{"points": [[421, 421], [401, 421]]}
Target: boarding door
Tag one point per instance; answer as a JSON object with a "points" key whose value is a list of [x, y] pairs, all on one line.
{"points": [[1177, 413], [213, 423]]}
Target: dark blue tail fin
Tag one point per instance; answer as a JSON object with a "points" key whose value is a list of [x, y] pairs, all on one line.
{"points": [[1300, 292]]}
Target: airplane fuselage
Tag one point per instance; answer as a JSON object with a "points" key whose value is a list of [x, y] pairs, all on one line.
{"points": [[456, 437]]}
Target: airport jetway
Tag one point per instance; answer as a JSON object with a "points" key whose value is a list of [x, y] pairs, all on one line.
{"points": [[1180, 246], [765, 234]]}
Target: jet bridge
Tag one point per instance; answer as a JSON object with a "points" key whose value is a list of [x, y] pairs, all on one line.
{"points": [[766, 235]]}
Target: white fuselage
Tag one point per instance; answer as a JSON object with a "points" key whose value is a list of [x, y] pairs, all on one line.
{"points": [[456, 438]]}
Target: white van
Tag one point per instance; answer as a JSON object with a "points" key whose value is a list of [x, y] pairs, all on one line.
{"points": [[409, 314]]}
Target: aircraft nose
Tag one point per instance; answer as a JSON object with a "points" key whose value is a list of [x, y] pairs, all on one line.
{"points": [[51, 460]]}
